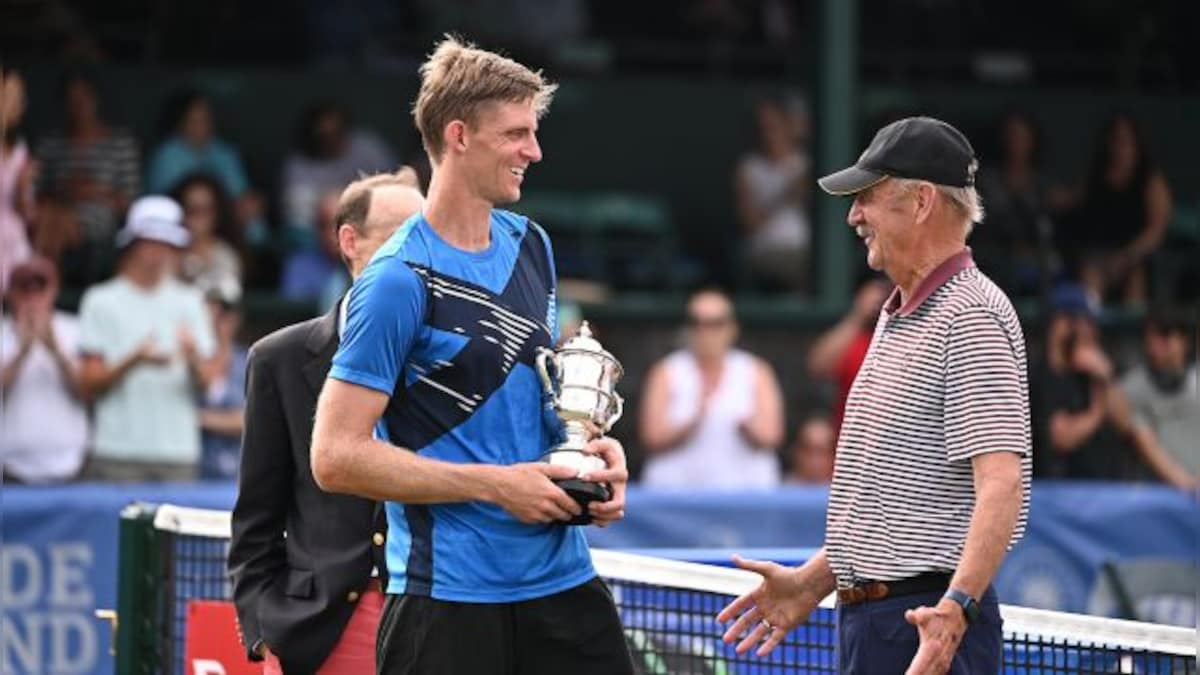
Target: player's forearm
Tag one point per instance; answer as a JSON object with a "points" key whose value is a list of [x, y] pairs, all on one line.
{"points": [[998, 497], [383, 472]]}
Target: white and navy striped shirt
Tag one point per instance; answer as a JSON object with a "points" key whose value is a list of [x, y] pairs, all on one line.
{"points": [[943, 381]]}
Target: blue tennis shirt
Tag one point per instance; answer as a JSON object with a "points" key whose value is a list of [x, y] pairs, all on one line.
{"points": [[450, 336]]}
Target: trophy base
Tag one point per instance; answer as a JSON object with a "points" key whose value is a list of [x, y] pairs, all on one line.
{"points": [[584, 492]]}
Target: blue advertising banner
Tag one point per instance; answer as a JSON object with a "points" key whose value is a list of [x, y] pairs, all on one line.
{"points": [[58, 561]]}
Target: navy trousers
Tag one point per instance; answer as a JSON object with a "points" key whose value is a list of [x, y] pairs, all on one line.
{"points": [[875, 639]]}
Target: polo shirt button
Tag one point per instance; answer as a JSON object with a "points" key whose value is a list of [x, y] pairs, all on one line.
{"points": [[378, 539], [352, 596]]}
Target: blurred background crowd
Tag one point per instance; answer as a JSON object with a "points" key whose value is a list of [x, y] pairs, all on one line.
{"points": [[681, 158]]}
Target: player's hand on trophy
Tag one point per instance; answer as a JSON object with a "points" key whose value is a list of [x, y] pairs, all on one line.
{"points": [[615, 475], [528, 492]]}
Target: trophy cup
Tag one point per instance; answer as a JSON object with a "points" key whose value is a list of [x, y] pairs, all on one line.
{"points": [[580, 378]]}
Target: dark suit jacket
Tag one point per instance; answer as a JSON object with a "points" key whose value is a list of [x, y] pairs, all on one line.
{"points": [[293, 592]]}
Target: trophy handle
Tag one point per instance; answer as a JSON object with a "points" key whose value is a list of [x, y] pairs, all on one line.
{"points": [[619, 404], [543, 355]]}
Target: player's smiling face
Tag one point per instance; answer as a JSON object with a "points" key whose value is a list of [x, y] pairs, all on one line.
{"points": [[502, 145]]}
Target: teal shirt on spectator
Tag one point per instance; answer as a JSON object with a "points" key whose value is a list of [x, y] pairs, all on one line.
{"points": [[176, 159]]}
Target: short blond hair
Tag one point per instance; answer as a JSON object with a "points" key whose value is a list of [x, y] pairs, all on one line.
{"points": [[459, 79], [355, 202]]}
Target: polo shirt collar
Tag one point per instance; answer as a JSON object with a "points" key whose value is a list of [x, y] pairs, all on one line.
{"points": [[932, 281]]}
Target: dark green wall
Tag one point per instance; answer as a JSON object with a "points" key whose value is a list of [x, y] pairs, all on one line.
{"points": [[677, 139]]}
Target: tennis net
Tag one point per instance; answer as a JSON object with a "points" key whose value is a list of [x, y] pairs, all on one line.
{"points": [[172, 555]]}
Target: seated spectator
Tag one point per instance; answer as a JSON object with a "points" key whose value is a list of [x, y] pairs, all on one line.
{"points": [[211, 259], [327, 156], [1013, 243], [1163, 395], [813, 452], [191, 147], [91, 169], [43, 419], [148, 347], [222, 403], [711, 414], [1081, 420], [839, 352], [317, 275], [16, 176], [772, 202], [1123, 216]]}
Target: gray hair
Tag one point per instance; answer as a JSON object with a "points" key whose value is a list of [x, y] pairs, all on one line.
{"points": [[965, 200]]}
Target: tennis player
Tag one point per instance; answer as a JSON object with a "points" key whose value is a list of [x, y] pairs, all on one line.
{"points": [[931, 485], [301, 559], [433, 405]]}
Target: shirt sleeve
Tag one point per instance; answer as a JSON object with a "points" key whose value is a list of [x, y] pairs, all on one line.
{"points": [[1134, 390], [385, 310], [94, 324], [986, 407], [552, 307]]}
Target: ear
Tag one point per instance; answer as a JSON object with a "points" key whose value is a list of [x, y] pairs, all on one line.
{"points": [[347, 237], [455, 135], [926, 195]]}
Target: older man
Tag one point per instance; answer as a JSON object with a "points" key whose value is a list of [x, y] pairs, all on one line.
{"points": [[931, 485], [307, 601]]}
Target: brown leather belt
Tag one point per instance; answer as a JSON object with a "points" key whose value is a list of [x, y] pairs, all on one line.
{"points": [[878, 590]]}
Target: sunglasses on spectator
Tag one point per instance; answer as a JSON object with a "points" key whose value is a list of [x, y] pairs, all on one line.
{"points": [[30, 284], [707, 321]]}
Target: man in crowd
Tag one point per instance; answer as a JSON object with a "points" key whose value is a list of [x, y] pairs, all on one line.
{"points": [[933, 461], [433, 405], [1162, 393], [302, 559], [148, 347]]}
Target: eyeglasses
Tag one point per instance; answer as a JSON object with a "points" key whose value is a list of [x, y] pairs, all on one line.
{"points": [[713, 322]]}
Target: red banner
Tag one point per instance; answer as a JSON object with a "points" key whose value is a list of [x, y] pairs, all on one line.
{"points": [[211, 645]]}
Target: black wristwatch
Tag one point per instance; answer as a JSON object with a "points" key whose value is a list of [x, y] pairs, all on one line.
{"points": [[970, 606]]}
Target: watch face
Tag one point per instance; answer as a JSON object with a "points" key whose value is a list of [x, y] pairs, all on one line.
{"points": [[971, 609]]}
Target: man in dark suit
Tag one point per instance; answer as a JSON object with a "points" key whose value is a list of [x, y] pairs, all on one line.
{"points": [[305, 563]]}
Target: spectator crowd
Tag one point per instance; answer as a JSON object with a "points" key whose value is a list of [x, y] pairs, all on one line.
{"points": [[146, 382]]}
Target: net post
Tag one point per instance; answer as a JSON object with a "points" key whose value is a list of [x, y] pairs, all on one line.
{"points": [[138, 578]]}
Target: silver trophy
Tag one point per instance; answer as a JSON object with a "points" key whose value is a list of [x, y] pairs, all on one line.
{"points": [[580, 378]]}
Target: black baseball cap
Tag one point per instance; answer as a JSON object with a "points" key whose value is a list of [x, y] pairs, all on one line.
{"points": [[922, 148]]}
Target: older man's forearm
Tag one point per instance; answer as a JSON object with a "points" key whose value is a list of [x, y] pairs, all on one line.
{"points": [[998, 497]]}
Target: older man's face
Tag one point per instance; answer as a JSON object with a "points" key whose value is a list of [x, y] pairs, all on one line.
{"points": [[883, 217]]}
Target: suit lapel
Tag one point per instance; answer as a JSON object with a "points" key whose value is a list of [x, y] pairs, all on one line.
{"points": [[322, 344]]}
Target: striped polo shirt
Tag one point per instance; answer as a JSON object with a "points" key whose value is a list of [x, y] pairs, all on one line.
{"points": [[944, 380]]}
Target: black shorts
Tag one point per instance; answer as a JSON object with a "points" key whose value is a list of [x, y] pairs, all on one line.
{"points": [[576, 631]]}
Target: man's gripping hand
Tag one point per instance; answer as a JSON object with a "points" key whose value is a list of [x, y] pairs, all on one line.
{"points": [[615, 474], [528, 492]]}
